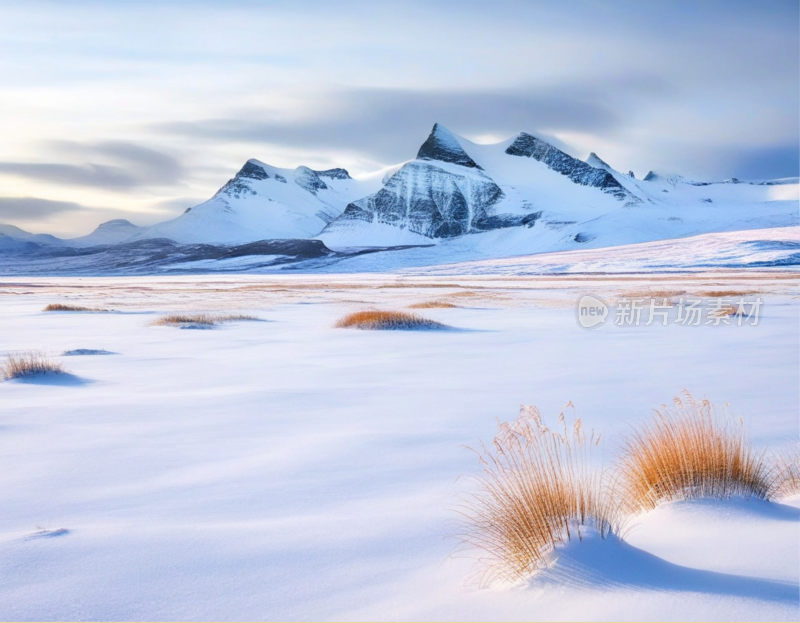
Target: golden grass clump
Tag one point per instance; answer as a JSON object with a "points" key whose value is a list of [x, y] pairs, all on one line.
{"points": [[29, 364], [538, 488], [690, 451], [723, 311], [658, 295], [433, 305], [60, 307], [786, 476], [724, 293], [207, 320], [386, 320]]}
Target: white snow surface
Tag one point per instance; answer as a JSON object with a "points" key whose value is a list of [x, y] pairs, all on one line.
{"points": [[270, 209], [751, 248], [287, 470], [110, 232]]}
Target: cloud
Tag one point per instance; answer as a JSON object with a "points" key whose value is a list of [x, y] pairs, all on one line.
{"points": [[94, 175], [122, 166], [767, 162], [24, 208], [388, 125], [142, 161]]}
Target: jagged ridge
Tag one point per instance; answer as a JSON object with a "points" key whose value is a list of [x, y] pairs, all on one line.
{"points": [[429, 201], [441, 145], [526, 145]]}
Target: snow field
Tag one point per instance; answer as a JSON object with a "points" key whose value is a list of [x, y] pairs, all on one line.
{"points": [[290, 470]]}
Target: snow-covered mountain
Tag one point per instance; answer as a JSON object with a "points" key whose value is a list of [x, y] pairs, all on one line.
{"points": [[457, 199], [110, 232], [11, 235], [264, 202], [524, 195]]}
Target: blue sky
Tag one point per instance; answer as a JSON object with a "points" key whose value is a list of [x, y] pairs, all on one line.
{"points": [[140, 109]]}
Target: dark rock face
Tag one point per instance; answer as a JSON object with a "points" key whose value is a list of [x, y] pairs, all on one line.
{"points": [[443, 146], [253, 171], [334, 174], [501, 221], [526, 145], [309, 180], [298, 249], [429, 201], [238, 186]]}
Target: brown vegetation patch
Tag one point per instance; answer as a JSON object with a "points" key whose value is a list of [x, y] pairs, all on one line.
{"points": [[786, 475], [717, 294], [61, 307], [387, 320], [433, 305], [537, 490], [208, 320], [29, 364], [652, 294], [723, 311], [691, 451]]}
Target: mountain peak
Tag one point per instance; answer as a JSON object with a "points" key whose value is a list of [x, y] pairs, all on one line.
{"points": [[309, 180], [442, 145], [335, 174], [529, 146], [253, 169], [115, 223], [598, 163]]}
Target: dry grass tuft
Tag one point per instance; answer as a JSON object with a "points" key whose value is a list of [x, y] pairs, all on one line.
{"points": [[724, 293], [537, 490], [60, 307], [659, 295], [723, 311], [433, 305], [29, 364], [387, 320], [786, 476], [690, 451], [206, 320]]}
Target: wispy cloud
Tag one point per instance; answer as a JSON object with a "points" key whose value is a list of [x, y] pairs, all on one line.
{"points": [[387, 125], [123, 166], [29, 208]]}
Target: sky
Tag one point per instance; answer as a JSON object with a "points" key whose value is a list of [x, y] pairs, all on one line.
{"points": [[139, 110]]}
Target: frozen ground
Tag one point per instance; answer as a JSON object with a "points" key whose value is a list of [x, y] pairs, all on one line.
{"points": [[287, 470]]}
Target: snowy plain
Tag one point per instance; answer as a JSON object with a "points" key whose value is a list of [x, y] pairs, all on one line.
{"points": [[286, 470]]}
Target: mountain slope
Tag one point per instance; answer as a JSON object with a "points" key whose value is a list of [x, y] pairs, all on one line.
{"points": [[263, 202], [110, 232], [12, 232], [458, 199], [524, 195], [441, 194]]}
